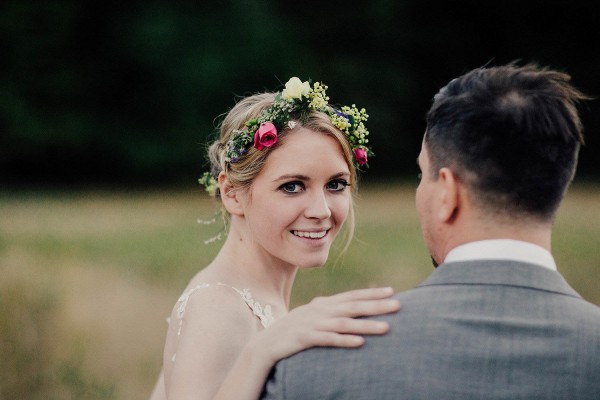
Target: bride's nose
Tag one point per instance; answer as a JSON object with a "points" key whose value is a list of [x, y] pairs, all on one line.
{"points": [[317, 205]]}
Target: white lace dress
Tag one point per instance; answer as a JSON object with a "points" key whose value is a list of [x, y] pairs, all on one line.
{"points": [[264, 314]]}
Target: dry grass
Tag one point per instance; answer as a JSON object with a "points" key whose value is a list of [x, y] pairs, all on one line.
{"points": [[88, 278]]}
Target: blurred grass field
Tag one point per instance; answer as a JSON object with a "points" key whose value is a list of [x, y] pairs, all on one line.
{"points": [[88, 278]]}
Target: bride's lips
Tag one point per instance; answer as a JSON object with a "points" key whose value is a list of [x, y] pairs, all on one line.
{"points": [[310, 234]]}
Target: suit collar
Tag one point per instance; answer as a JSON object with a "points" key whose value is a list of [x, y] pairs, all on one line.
{"points": [[502, 249], [500, 272]]}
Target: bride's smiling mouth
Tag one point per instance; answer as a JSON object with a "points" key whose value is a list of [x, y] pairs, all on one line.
{"points": [[310, 234]]}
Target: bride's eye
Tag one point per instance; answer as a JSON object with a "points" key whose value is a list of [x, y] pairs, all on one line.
{"points": [[337, 185], [292, 187]]}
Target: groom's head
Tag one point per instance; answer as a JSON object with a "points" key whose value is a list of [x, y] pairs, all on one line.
{"points": [[509, 136]]}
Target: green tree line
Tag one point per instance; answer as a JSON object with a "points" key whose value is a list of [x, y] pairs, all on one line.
{"points": [[129, 92]]}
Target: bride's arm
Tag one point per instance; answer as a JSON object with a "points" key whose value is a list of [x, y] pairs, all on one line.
{"points": [[216, 326], [158, 392], [325, 321]]}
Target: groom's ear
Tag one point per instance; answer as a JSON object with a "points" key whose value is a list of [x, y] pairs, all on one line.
{"points": [[230, 196], [448, 195]]}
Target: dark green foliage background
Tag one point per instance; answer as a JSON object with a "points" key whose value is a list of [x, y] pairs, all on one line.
{"points": [[126, 93]]}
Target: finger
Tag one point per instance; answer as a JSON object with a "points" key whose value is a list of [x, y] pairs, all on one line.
{"points": [[364, 294], [356, 326], [333, 339], [366, 308]]}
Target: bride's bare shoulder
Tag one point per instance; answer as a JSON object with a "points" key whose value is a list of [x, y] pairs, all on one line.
{"points": [[209, 322], [212, 302]]}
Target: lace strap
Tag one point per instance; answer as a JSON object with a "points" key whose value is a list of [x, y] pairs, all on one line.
{"points": [[264, 314], [183, 299]]}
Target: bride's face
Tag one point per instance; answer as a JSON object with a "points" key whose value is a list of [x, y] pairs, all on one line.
{"points": [[299, 201]]}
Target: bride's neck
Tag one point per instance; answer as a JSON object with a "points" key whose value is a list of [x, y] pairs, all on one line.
{"points": [[240, 263]]}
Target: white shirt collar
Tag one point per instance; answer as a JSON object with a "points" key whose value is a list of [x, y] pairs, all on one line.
{"points": [[502, 249]]}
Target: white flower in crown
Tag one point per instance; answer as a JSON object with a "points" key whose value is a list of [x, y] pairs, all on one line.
{"points": [[295, 89]]}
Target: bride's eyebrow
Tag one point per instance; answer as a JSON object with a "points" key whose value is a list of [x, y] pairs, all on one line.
{"points": [[340, 175], [300, 177], [288, 177]]}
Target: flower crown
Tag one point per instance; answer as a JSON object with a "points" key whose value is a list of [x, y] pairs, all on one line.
{"points": [[295, 102]]}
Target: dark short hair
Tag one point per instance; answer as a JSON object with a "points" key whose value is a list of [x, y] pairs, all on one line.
{"points": [[511, 133]]}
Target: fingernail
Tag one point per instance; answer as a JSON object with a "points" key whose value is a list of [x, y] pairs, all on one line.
{"points": [[382, 325], [393, 303], [358, 340]]}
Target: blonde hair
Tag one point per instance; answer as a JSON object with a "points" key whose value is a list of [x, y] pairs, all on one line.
{"points": [[242, 173]]}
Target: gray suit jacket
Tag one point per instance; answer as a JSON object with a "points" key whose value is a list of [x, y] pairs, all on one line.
{"points": [[472, 330]]}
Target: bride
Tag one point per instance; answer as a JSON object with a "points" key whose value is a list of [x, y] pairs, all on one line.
{"points": [[283, 167]]}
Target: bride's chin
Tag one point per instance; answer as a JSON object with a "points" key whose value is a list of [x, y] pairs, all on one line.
{"points": [[312, 265]]}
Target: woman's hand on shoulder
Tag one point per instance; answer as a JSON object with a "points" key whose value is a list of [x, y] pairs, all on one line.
{"points": [[331, 321]]}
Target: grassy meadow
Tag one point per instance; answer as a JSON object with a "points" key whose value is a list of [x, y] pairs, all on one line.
{"points": [[87, 278]]}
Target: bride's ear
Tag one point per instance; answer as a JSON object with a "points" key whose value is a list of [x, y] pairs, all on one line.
{"points": [[230, 196]]}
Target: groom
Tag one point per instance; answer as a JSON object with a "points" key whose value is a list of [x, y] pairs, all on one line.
{"points": [[495, 320]]}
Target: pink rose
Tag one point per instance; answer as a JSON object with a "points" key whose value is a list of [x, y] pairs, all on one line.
{"points": [[265, 136], [360, 155]]}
